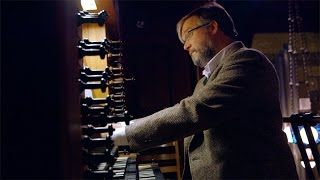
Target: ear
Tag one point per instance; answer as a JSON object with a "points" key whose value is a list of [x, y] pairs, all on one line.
{"points": [[214, 27]]}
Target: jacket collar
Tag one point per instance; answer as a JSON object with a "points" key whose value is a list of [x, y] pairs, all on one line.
{"points": [[225, 53]]}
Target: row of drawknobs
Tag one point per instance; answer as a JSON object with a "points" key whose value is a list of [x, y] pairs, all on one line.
{"points": [[97, 114]]}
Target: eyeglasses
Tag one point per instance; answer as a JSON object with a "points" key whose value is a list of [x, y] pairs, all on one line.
{"points": [[190, 32]]}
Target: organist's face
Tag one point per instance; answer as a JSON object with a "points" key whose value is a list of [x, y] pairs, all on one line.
{"points": [[196, 39]]}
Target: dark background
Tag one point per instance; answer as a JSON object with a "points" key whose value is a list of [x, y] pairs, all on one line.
{"points": [[164, 72], [39, 67]]}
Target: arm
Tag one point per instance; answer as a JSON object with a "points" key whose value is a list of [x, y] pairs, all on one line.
{"points": [[220, 100]]}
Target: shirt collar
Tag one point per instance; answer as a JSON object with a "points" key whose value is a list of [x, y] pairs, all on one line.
{"points": [[214, 62]]}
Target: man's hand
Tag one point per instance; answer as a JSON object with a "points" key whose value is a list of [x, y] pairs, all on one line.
{"points": [[119, 135]]}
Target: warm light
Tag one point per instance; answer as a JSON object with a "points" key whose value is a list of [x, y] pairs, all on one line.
{"points": [[88, 5], [309, 153], [312, 164], [304, 135], [287, 130], [304, 104]]}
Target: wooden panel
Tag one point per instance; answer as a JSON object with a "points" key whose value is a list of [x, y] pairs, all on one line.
{"points": [[168, 169], [94, 32]]}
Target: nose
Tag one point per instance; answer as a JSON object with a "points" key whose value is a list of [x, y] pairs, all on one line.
{"points": [[186, 45]]}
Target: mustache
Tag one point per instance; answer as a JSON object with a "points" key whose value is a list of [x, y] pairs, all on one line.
{"points": [[191, 51]]}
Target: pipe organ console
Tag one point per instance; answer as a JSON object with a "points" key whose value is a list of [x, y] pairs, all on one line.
{"points": [[102, 84]]}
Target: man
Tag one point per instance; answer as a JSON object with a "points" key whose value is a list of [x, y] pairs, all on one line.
{"points": [[232, 122]]}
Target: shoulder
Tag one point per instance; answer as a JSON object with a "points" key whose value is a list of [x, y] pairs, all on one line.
{"points": [[249, 53]]}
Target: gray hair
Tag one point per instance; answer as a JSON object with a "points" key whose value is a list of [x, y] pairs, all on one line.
{"points": [[209, 12]]}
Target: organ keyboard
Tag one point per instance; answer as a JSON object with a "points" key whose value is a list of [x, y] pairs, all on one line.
{"points": [[125, 168], [150, 171]]}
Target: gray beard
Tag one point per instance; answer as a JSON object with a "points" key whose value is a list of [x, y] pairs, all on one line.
{"points": [[205, 56]]}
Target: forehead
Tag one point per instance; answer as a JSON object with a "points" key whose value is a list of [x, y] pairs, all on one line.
{"points": [[190, 23]]}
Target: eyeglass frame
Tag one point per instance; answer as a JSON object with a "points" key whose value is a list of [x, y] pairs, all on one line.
{"points": [[190, 31]]}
